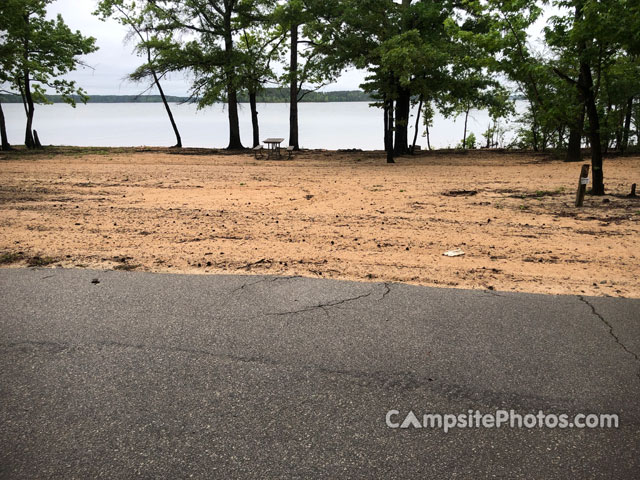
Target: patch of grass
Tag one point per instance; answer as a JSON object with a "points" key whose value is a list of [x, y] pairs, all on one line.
{"points": [[38, 261], [126, 267], [549, 193], [10, 257], [524, 207]]}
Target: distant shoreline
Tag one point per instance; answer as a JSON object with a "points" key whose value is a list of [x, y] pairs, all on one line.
{"points": [[269, 95]]}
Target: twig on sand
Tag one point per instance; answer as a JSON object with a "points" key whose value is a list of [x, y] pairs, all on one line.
{"points": [[253, 264]]}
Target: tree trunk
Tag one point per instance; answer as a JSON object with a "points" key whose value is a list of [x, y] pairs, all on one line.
{"points": [[403, 109], [428, 140], [594, 129], [403, 103], [28, 136], [388, 130], [620, 128], [636, 117], [3, 132], [254, 118], [36, 139], [166, 106], [464, 136], [234, 123], [627, 126], [415, 133], [27, 98], [585, 86], [232, 94], [607, 133], [574, 149], [293, 93], [534, 128], [156, 80]]}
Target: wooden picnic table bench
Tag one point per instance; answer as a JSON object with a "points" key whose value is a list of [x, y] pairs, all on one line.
{"points": [[257, 151], [273, 146]]}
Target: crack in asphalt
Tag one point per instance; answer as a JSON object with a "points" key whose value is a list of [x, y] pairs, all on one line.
{"points": [[611, 332], [263, 280], [324, 306]]}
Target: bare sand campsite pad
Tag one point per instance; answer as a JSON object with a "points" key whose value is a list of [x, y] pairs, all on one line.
{"points": [[329, 214]]}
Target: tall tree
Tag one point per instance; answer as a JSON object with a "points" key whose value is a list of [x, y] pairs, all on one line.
{"points": [[137, 17], [44, 50], [593, 31], [506, 36], [208, 48], [408, 49], [259, 46], [308, 68], [7, 59], [472, 89], [3, 132]]}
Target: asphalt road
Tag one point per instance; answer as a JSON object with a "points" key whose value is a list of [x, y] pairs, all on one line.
{"points": [[168, 376]]}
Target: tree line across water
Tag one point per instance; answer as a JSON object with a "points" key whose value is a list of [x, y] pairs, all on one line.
{"points": [[580, 78], [268, 95]]}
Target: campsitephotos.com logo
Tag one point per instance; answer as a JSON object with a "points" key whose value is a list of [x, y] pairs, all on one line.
{"points": [[500, 419]]}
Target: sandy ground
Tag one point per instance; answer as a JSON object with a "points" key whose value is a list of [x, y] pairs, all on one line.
{"points": [[325, 214]]}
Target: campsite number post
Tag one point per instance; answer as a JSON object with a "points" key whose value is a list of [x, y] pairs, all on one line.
{"points": [[582, 185]]}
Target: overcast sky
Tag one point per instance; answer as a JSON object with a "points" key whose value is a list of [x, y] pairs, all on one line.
{"points": [[115, 59]]}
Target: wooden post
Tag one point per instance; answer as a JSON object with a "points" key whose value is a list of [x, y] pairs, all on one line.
{"points": [[582, 184], [633, 191]]}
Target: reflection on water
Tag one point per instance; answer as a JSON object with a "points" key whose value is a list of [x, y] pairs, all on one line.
{"points": [[322, 125]]}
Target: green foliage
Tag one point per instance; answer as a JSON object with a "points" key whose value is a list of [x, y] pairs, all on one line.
{"points": [[207, 40], [259, 47], [470, 143], [316, 64], [8, 258], [596, 55], [37, 52], [139, 18]]}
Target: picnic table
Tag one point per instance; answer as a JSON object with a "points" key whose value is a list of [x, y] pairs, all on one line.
{"points": [[273, 146]]}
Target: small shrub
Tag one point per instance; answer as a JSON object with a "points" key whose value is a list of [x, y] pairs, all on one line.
{"points": [[469, 143], [126, 267], [10, 257], [40, 261]]}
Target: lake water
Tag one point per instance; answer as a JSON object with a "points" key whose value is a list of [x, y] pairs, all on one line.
{"points": [[322, 125]]}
